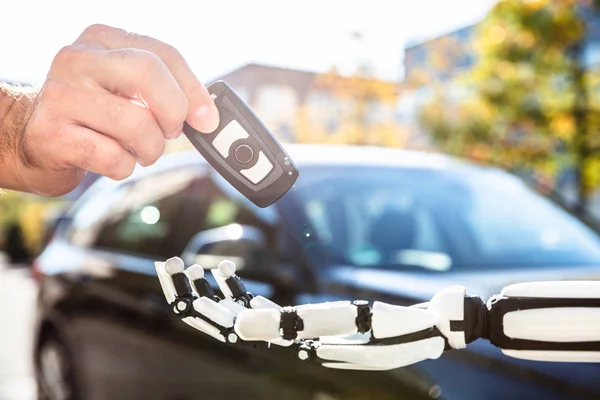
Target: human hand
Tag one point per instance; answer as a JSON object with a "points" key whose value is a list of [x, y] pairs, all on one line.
{"points": [[110, 100]]}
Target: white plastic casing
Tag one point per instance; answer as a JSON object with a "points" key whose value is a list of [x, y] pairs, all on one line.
{"points": [[556, 324], [448, 305], [554, 289]]}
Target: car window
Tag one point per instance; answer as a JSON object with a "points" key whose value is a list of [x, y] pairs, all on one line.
{"points": [[152, 216], [437, 220], [223, 209], [157, 216], [371, 215]]}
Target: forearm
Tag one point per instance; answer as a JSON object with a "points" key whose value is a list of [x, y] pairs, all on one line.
{"points": [[14, 112]]}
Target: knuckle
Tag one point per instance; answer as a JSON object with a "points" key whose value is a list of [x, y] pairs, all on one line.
{"points": [[69, 55], [96, 31], [137, 127], [54, 90], [148, 63], [142, 64], [141, 123], [171, 54], [113, 110], [126, 55]]}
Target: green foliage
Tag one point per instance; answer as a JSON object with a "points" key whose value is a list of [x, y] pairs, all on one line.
{"points": [[530, 104], [29, 213]]}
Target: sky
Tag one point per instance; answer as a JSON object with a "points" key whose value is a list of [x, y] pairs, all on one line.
{"points": [[220, 35]]}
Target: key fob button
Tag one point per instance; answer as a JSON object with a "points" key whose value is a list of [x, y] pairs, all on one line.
{"points": [[244, 154], [260, 170], [232, 132]]}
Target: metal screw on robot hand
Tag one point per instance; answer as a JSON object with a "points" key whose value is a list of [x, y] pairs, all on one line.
{"points": [[305, 350], [181, 306], [232, 338], [244, 300]]}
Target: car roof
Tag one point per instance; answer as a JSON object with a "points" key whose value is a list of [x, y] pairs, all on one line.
{"points": [[332, 155], [323, 155]]}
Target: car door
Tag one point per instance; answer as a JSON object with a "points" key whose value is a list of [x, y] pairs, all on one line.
{"points": [[146, 352], [266, 271], [284, 275], [123, 314]]}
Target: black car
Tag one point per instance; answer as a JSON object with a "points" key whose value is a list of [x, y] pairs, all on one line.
{"points": [[360, 223]]}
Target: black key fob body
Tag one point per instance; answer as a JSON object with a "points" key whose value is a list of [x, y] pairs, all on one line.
{"points": [[243, 150]]}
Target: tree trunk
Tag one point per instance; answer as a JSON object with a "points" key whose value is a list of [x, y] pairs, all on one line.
{"points": [[580, 142]]}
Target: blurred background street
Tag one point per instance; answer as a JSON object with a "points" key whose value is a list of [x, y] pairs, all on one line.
{"points": [[17, 296]]}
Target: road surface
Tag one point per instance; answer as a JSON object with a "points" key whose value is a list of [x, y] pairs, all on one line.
{"points": [[17, 297]]}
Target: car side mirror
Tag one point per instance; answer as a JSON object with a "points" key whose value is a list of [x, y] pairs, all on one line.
{"points": [[244, 245]]}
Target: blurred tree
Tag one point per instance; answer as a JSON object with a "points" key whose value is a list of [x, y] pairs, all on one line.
{"points": [[527, 101], [22, 222]]}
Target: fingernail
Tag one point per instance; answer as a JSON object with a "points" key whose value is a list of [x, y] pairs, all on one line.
{"points": [[208, 119]]}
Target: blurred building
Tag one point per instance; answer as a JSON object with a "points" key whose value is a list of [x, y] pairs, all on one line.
{"points": [[283, 97], [434, 61], [425, 56], [274, 93]]}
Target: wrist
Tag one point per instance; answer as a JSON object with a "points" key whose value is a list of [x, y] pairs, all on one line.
{"points": [[15, 110]]}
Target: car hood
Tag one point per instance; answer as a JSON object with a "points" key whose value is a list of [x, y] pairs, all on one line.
{"points": [[423, 285]]}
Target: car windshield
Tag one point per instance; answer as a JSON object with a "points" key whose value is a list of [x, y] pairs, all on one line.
{"points": [[437, 220]]}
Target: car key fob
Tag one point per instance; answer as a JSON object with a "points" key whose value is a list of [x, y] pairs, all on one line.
{"points": [[243, 150]]}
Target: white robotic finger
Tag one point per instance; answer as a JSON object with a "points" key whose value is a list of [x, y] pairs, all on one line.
{"points": [[165, 282], [356, 367], [225, 270], [381, 356], [205, 327], [391, 321], [232, 306], [195, 273], [260, 302], [220, 317], [214, 311], [261, 324]]}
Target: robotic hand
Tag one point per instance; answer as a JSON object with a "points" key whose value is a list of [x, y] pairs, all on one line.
{"points": [[550, 321]]}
